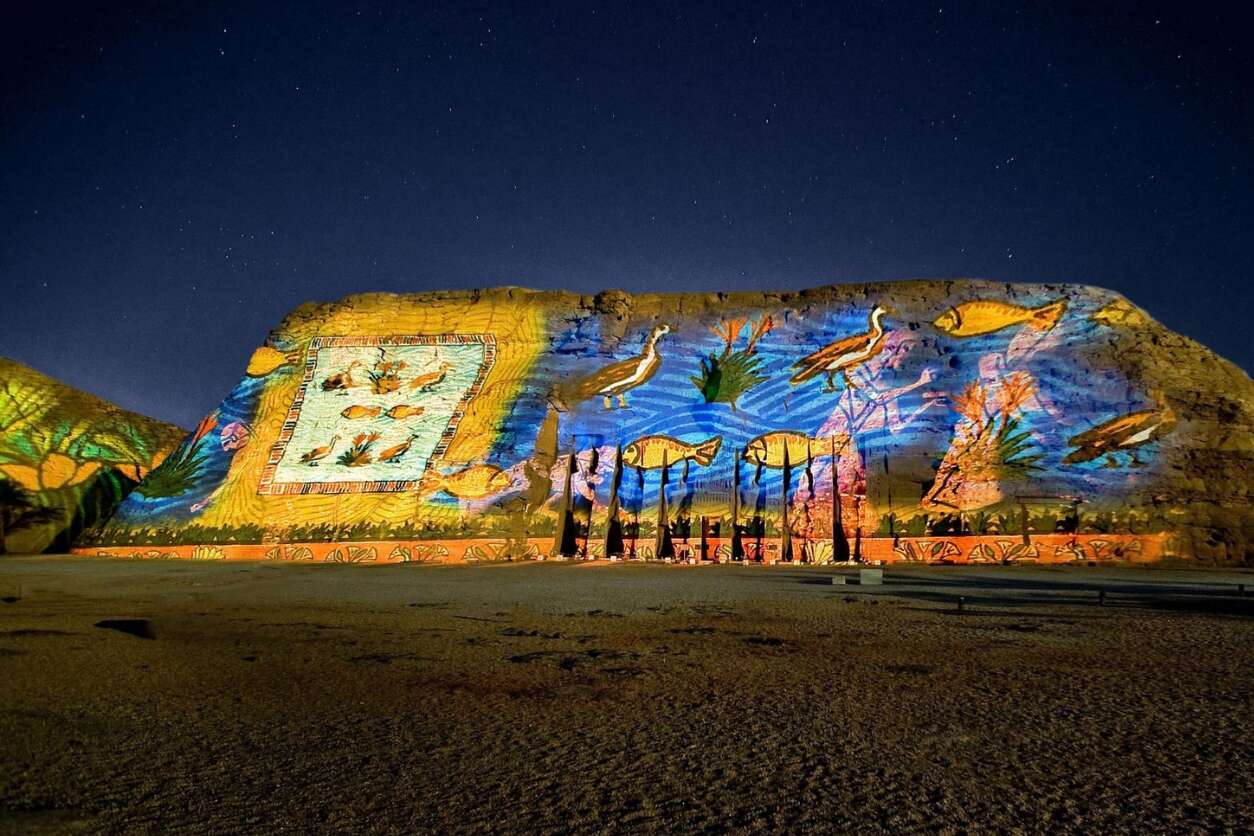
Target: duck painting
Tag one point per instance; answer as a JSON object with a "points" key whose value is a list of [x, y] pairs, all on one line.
{"points": [[430, 380], [394, 454], [845, 355], [341, 381], [616, 379], [317, 454], [1122, 435]]}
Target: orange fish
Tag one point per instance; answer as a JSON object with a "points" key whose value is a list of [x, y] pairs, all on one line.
{"points": [[475, 482], [768, 448], [648, 453], [358, 411], [1122, 434], [404, 410], [1121, 312], [984, 316]]}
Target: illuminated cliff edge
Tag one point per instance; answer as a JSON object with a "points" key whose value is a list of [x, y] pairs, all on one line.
{"points": [[933, 421], [67, 458]]}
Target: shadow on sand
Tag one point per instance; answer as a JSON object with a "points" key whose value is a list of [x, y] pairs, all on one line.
{"points": [[982, 592]]}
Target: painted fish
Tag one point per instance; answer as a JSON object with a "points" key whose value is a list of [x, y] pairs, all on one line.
{"points": [[647, 452], [768, 449], [1120, 312], [404, 410], [973, 319], [358, 411], [475, 482], [266, 360]]}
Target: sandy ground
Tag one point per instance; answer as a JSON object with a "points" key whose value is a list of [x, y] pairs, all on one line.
{"points": [[575, 698]]}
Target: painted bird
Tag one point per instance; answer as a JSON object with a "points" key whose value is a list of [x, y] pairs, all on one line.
{"points": [[616, 379], [845, 355], [317, 454], [1122, 435], [342, 380], [394, 454], [431, 379]]}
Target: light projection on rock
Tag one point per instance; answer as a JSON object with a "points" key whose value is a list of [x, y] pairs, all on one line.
{"points": [[956, 421], [373, 413], [67, 459]]}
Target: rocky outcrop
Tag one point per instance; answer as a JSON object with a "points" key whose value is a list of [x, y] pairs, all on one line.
{"points": [[67, 458], [952, 420], [1207, 480]]}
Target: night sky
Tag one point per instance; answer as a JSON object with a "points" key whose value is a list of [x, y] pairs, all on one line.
{"points": [[175, 177]]}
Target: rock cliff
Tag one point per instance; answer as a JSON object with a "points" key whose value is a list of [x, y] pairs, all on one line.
{"points": [[67, 458], [919, 420]]}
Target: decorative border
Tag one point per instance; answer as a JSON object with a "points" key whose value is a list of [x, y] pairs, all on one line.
{"points": [[876, 551], [267, 485], [365, 552]]}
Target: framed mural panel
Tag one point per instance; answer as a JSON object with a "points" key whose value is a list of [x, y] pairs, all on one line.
{"points": [[373, 413]]}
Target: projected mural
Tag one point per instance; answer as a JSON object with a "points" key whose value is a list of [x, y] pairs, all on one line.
{"points": [[373, 413], [966, 423], [67, 459]]}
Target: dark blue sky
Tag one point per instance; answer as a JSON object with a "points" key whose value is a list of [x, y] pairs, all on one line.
{"points": [[175, 177]]}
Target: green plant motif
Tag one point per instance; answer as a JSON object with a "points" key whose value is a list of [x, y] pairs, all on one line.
{"points": [[127, 447], [992, 433], [359, 454], [179, 472], [118, 534], [725, 377], [1013, 449], [385, 377], [352, 554], [980, 522]]}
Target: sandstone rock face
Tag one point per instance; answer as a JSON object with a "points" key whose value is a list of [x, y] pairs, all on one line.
{"points": [[67, 458], [962, 421]]}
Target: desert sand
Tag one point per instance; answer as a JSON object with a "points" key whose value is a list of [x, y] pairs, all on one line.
{"points": [[579, 698]]}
